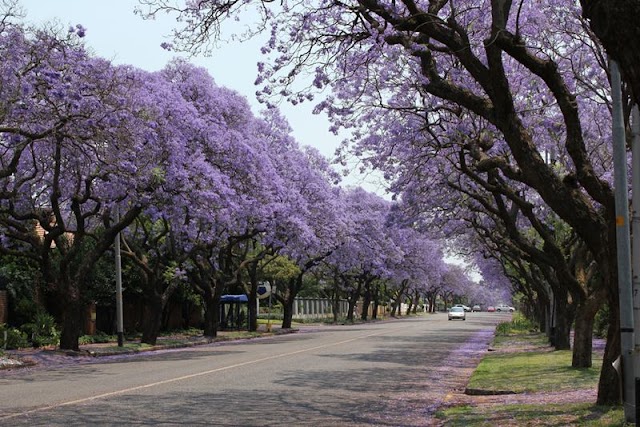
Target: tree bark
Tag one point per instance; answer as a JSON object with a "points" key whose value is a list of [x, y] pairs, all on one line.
{"points": [[583, 331], [609, 382], [72, 323], [564, 319], [211, 314], [152, 320], [366, 301], [288, 299]]}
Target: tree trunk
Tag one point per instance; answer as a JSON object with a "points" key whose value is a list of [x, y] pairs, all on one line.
{"points": [[287, 315], [376, 305], [72, 323], [409, 307], [351, 309], [288, 300], [609, 383], [336, 302], [583, 333], [353, 299], [562, 333], [366, 301], [211, 300], [152, 319]]}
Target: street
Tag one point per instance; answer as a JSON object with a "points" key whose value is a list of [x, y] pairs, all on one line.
{"points": [[394, 373]]}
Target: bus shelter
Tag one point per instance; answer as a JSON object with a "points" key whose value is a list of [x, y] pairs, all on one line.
{"points": [[234, 312]]}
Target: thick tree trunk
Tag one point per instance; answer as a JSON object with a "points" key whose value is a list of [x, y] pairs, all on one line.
{"points": [[366, 301], [351, 309], [353, 299], [582, 341], [211, 300], [562, 332], [336, 302], [72, 323], [583, 332], [287, 315], [374, 312], [609, 382], [152, 320], [253, 313], [288, 300]]}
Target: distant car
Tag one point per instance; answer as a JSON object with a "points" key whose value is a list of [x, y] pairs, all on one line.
{"points": [[476, 308], [504, 307], [464, 307], [491, 309], [457, 313]]}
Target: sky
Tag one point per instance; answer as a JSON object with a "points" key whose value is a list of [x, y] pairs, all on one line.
{"points": [[114, 32]]}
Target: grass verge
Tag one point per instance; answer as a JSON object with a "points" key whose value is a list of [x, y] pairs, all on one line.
{"points": [[524, 363], [533, 371], [574, 414]]}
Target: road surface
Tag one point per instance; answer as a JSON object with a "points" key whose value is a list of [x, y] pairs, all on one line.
{"points": [[392, 373]]}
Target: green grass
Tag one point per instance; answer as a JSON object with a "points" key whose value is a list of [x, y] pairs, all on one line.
{"points": [[126, 348], [518, 325], [530, 366], [578, 414], [533, 372], [521, 340]]}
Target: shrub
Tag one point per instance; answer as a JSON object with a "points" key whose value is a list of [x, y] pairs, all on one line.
{"points": [[98, 337], [518, 325], [15, 338], [42, 331], [601, 322]]}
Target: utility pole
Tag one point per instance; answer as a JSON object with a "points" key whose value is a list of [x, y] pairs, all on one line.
{"points": [[623, 245], [635, 243], [119, 317]]}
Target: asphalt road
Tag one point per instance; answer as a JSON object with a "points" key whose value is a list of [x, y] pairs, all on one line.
{"points": [[392, 373]]}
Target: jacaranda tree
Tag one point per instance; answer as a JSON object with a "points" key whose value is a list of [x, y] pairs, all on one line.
{"points": [[509, 81]]}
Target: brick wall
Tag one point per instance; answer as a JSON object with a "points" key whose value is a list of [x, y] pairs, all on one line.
{"points": [[4, 307]]}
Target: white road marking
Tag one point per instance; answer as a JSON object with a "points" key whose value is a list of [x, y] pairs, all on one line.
{"points": [[186, 377]]}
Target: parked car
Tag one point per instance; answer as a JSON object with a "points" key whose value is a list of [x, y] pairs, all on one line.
{"points": [[476, 308], [464, 307], [457, 313], [504, 307], [491, 309]]}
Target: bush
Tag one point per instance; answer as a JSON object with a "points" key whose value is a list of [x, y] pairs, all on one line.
{"points": [[99, 337], [25, 311], [601, 322], [15, 338], [518, 325], [272, 316], [42, 331]]}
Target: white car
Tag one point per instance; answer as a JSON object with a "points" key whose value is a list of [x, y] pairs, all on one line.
{"points": [[464, 307], [456, 312], [504, 307]]}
